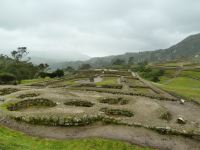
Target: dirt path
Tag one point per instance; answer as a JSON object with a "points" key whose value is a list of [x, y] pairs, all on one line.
{"points": [[139, 136], [122, 81]]}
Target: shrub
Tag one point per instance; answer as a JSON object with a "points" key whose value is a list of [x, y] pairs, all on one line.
{"points": [[118, 62], [79, 103], [166, 116], [112, 86], [117, 112], [85, 67], [85, 85], [7, 78], [7, 91], [111, 101], [28, 95], [58, 73]]}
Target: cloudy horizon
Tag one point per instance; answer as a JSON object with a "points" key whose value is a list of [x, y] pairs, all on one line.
{"points": [[96, 27]]}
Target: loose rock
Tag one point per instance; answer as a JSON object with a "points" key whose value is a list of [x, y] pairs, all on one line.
{"points": [[180, 120], [182, 101]]}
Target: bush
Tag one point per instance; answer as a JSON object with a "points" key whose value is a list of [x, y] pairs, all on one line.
{"points": [[28, 95], [58, 73], [7, 91], [85, 85], [79, 103], [166, 116], [112, 86], [152, 74], [6, 78], [117, 112], [118, 62], [111, 101], [85, 67]]}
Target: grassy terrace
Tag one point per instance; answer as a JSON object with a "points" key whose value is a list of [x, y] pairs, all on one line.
{"points": [[183, 86], [184, 82], [10, 140], [191, 73]]}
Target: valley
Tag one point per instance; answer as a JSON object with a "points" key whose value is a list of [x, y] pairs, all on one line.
{"points": [[103, 103]]}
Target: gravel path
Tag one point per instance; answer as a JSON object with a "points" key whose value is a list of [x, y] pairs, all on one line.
{"points": [[139, 136]]}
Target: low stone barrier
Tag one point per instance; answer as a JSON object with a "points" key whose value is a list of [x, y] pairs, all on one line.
{"points": [[79, 103], [30, 103]]}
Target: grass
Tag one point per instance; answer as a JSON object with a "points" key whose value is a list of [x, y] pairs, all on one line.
{"points": [[190, 73], [185, 82], [107, 81], [163, 79], [38, 80], [70, 82], [183, 86], [135, 82], [141, 90], [10, 140], [169, 72]]}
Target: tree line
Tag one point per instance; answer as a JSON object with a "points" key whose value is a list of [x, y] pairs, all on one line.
{"points": [[18, 67]]}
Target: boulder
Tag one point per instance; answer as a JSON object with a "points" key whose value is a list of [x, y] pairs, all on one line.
{"points": [[180, 120], [182, 101]]}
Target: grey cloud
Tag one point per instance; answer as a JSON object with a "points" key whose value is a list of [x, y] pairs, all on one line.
{"points": [[96, 27]]}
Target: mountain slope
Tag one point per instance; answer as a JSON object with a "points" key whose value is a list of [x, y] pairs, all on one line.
{"points": [[189, 48]]}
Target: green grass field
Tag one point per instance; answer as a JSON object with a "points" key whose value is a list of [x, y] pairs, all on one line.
{"points": [[191, 73], [12, 140], [183, 86], [107, 81], [183, 82]]}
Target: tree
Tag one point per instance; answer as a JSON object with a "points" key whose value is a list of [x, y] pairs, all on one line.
{"points": [[43, 67], [69, 69], [131, 60], [85, 67], [7, 78], [19, 54], [18, 67], [59, 73], [118, 62]]}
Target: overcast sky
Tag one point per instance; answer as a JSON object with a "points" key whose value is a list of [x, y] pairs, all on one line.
{"points": [[96, 27]]}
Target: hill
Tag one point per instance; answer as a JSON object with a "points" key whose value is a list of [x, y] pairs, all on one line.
{"points": [[189, 48]]}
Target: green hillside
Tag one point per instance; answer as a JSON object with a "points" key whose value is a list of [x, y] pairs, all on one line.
{"points": [[189, 48], [183, 81]]}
